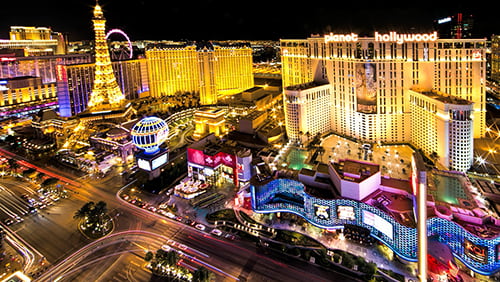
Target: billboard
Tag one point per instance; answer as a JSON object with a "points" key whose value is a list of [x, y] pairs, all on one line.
{"points": [[143, 164], [346, 212], [378, 223], [475, 252], [366, 88], [159, 161], [322, 212], [200, 158]]}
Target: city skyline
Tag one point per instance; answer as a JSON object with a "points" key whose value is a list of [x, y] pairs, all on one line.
{"points": [[353, 149], [222, 20]]}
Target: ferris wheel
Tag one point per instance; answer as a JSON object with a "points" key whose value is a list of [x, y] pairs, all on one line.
{"points": [[120, 52]]}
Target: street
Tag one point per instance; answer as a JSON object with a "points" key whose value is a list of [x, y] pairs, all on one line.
{"points": [[53, 232]]}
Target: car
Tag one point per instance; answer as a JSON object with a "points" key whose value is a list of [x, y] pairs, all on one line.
{"points": [[200, 226], [216, 232], [8, 221], [170, 215], [229, 236], [179, 218], [152, 208]]}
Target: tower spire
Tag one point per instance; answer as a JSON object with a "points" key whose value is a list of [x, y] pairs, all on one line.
{"points": [[106, 93]]}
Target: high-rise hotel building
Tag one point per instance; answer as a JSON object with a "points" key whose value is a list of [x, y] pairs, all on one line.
{"points": [[211, 69], [441, 126], [370, 78]]}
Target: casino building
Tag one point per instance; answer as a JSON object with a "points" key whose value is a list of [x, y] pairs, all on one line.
{"points": [[369, 81], [353, 193], [211, 69]]}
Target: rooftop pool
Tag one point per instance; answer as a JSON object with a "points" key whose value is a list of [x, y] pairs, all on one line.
{"points": [[447, 189], [296, 158]]}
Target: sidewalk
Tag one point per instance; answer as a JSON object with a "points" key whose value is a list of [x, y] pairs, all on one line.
{"points": [[370, 254], [10, 260]]}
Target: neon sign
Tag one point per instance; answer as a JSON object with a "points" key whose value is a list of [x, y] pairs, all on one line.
{"points": [[444, 20], [385, 37], [402, 38], [341, 37], [476, 252]]}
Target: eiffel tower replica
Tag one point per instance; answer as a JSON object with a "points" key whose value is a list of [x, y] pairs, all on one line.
{"points": [[106, 101]]}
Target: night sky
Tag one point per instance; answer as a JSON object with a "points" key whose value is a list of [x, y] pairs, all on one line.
{"points": [[247, 20]]}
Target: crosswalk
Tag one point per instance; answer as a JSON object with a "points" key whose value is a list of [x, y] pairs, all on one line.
{"points": [[134, 271]]}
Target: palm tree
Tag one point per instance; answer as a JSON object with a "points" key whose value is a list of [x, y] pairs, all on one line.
{"points": [[93, 214], [172, 258], [202, 275], [84, 211]]}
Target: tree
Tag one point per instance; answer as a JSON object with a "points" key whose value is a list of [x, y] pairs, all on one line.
{"points": [[84, 211], [172, 258], [94, 216], [434, 157], [149, 256], [202, 275]]}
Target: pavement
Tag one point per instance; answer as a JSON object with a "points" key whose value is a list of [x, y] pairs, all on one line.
{"points": [[10, 260]]}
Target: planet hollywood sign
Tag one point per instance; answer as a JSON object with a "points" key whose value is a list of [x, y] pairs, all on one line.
{"points": [[384, 37]]}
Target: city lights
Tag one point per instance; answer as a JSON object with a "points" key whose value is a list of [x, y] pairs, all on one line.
{"points": [[369, 148]]}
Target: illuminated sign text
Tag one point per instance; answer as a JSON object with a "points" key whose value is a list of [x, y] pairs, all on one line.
{"points": [[341, 37], [384, 37], [402, 38]]}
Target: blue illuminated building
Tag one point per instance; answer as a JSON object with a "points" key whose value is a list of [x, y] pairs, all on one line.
{"points": [[479, 251]]}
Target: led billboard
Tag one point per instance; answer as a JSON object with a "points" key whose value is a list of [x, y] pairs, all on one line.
{"points": [[378, 223], [346, 212], [366, 88]]}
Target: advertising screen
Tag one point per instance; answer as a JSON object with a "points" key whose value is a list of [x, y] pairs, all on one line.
{"points": [[143, 164], [322, 212], [366, 88], [476, 252], [195, 156], [161, 160], [378, 223], [498, 252], [346, 212]]}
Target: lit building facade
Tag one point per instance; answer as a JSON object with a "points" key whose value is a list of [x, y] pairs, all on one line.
{"points": [[25, 95], [39, 66], [209, 69], [384, 207], [370, 81], [441, 126], [35, 41], [212, 161], [495, 58], [457, 26], [209, 121], [369, 78], [106, 93], [307, 110], [75, 83]]}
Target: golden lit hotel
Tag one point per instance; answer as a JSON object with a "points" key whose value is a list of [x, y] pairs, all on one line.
{"points": [[210, 69], [370, 79], [34, 41]]}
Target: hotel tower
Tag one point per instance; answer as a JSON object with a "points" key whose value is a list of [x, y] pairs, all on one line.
{"points": [[106, 93], [364, 84]]}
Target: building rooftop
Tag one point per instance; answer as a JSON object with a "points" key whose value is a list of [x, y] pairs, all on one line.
{"points": [[443, 97], [305, 86], [355, 171]]}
